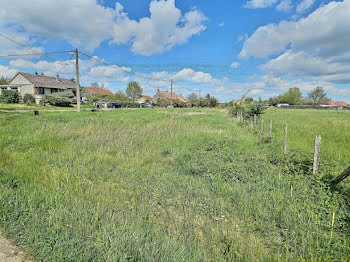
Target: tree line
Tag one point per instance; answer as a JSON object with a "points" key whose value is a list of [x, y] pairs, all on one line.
{"points": [[294, 97]]}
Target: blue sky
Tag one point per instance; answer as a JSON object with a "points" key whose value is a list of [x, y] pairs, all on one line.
{"points": [[222, 47]]}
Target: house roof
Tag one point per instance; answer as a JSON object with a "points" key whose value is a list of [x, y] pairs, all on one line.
{"points": [[329, 103], [166, 94], [146, 97], [341, 103], [97, 91], [47, 81]]}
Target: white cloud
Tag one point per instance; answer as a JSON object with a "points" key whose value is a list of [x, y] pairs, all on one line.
{"points": [[235, 65], [313, 47], [192, 76], [285, 6], [325, 31], [161, 31], [85, 23], [221, 24], [304, 5], [260, 3], [7, 72]]}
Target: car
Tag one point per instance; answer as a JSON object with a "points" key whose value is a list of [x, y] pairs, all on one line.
{"points": [[146, 105], [114, 105]]}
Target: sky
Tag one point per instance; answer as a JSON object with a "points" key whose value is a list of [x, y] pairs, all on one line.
{"points": [[223, 47]]}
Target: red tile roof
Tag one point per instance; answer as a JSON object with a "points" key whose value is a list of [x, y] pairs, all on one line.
{"points": [[329, 103], [97, 91], [341, 103]]}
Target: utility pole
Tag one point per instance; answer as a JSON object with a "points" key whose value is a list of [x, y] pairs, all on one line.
{"points": [[77, 79], [171, 92]]}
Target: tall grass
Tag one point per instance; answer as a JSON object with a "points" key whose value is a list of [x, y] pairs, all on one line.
{"points": [[160, 185]]}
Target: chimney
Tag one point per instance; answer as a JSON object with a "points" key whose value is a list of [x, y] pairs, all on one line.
{"points": [[57, 77], [42, 74], [36, 73]]}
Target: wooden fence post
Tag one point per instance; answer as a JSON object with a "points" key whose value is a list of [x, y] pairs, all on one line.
{"points": [[242, 119], [285, 139], [341, 177], [262, 126], [316, 154], [254, 123], [270, 131]]}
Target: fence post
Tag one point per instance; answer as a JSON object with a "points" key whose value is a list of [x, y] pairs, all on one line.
{"points": [[242, 119], [262, 126], [285, 139], [316, 154], [270, 131], [254, 123]]}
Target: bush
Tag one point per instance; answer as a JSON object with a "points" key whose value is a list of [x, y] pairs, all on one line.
{"points": [[57, 100], [248, 110], [28, 99], [10, 97]]}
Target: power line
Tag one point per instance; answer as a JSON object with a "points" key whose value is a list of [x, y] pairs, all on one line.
{"points": [[124, 70], [12, 40], [66, 64], [36, 54]]}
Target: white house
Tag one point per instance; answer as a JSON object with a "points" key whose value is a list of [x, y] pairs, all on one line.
{"points": [[39, 85]]}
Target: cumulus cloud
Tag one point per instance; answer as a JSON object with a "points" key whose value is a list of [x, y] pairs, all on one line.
{"points": [[315, 46], [161, 31], [70, 20]]}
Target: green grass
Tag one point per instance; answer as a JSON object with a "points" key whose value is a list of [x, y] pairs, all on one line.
{"points": [[160, 185], [304, 125], [21, 107]]}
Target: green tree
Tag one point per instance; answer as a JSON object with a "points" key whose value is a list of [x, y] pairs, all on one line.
{"points": [[293, 97], [72, 80], [4, 80], [317, 96], [192, 98], [28, 99], [133, 90], [121, 96]]}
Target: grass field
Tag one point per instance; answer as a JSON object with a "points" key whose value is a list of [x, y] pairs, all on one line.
{"points": [[304, 125], [166, 185], [32, 107]]}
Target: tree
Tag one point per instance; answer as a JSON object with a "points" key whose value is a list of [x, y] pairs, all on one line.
{"points": [[72, 80], [293, 97], [121, 96], [28, 99], [4, 80], [133, 90], [96, 85], [317, 96], [192, 98]]}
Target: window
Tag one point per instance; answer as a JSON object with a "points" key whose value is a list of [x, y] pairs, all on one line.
{"points": [[40, 90], [54, 90]]}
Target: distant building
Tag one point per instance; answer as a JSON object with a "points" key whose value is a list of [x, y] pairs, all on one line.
{"points": [[329, 103], [341, 103], [39, 85], [167, 95], [144, 99]]}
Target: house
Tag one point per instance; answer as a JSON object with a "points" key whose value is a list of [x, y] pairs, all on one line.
{"points": [[94, 91], [168, 95], [341, 103], [39, 85], [144, 99], [328, 103]]}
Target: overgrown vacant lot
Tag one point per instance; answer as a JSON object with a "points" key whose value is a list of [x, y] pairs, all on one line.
{"points": [[161, 185]]}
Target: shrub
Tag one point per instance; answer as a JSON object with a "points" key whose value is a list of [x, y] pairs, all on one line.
{"points": [[248, 110], [60, 99], [28, 99], [10, 97]]}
